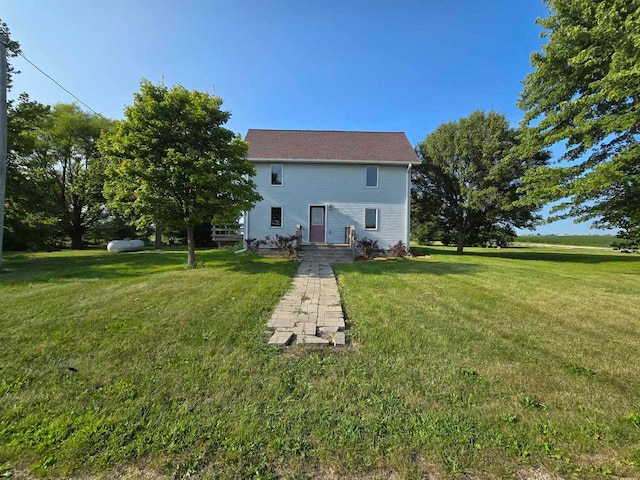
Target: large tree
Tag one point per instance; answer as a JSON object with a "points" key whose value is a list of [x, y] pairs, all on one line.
{"points": [[584, 95], [31, 221], [72, 159], [467, 182], [54, 179], [171, 161], [54, 176]]}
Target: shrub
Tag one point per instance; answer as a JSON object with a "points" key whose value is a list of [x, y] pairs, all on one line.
{"points": [[448, 238], [399, 250], [285, 244], [625, 246], [425, 233], [369, 248], [254, 245]]}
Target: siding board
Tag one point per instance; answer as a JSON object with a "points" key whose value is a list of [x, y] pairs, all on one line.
{"points": [[339, 187]]}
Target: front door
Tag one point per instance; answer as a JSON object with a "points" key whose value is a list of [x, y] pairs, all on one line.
{"points": [[316, 224]]}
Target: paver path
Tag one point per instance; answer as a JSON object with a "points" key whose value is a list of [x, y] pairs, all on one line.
{"points": [[310, 312]]}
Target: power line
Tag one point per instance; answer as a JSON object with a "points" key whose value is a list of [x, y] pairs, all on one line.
{"points": [[57, 83]]}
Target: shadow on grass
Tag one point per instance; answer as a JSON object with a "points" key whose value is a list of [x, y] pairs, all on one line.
{"points": [[93, 265], [525, 253], [400, 266]]}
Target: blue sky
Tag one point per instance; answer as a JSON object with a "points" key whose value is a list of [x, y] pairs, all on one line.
{"points": [[337, 65]]}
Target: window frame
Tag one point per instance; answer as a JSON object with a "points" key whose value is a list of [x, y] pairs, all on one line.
{"points": [[281, 165], [366, 170], [271, 225], [377, 210]]}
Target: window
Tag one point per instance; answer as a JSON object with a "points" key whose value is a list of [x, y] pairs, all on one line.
{"points": [[276, 217], [317, 215], [372, 176], [276, 174], [371, 218]]}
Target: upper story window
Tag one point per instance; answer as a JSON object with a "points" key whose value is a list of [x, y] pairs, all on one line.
{"points": [[371, 176], [276, 174]]}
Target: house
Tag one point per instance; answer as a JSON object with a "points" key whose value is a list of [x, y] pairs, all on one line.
{"points": [[324, 182]]}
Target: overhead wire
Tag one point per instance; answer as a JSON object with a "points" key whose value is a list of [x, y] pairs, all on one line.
{"points": [[57, 83]]}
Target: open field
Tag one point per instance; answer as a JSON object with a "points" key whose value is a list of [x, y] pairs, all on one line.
{"points": [[493, 364], [576, 240]]}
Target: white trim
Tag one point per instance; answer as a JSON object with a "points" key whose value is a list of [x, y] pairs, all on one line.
{"points": [[407, 225], [324, 240], [377, 218], [281, 216], [271, 175], [377, 176], [327, 160]]}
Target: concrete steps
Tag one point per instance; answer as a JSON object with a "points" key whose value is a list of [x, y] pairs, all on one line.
{"points": [[326, 253]]}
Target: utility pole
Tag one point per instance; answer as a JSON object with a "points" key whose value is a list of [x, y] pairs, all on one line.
{"points": [[4, 42]]}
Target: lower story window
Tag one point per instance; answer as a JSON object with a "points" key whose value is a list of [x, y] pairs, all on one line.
{"points": [[371, 218], [276, 217]]}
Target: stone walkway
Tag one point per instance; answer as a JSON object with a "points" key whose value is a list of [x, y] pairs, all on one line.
{"points": [[310, 313]]}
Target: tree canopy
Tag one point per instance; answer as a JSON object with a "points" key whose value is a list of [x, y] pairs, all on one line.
{"points": [[467, 184], [584, 94], [13, 50], [172, 162], [54, 176]]}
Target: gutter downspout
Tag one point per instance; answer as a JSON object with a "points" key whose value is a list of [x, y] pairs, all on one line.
{"points": [[246, 233]]}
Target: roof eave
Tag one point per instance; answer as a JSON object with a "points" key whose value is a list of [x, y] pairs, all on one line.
{"points": [[333, 161]]}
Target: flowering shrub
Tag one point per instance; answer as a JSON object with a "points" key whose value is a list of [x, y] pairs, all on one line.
{"points": [[368, 248], [399, 250], [285, 244], [254, 245]]}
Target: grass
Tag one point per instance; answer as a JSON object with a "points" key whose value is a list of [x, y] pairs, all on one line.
{"points": [[604, 241], [491, 364]]}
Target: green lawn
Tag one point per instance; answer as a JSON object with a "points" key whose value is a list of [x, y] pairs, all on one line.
{"points": [[574, 240], [492, 364]]}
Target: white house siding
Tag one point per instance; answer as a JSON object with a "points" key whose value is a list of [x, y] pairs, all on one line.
{"points": [[341, 189]]}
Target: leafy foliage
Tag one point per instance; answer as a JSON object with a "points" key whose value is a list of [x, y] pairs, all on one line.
{"points": [[399, 250], [584, 94], [70, 156], [31, 221], [13, 50], [368, 248], [55, 178], [285, 244], [466, 187], [255, 244], [171, 161]]}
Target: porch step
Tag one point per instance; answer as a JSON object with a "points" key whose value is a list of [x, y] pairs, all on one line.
{"points": [[326, 253]]}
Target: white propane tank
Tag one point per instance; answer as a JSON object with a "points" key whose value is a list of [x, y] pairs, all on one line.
{"points": [[126, 245]]}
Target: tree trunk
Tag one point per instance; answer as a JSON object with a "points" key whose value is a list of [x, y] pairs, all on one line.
{"points": [[76, 239], [191, 246], [158, 240], [77, 227], [461, 237]]}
